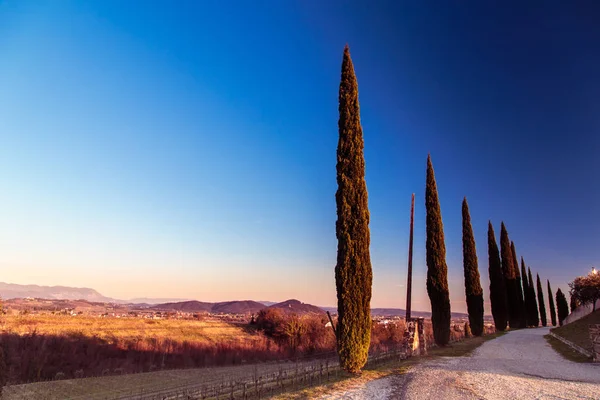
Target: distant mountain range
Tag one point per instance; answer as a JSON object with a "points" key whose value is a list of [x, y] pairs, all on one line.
{"points": [[16, 291]]}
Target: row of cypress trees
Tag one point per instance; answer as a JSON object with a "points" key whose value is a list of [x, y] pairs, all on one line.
{"points": [[515, 302], [512, 295]]}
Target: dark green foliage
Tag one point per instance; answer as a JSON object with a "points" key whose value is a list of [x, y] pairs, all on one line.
{"points": [[510, 279], [562, 306], [473, 289], [437, 270], [541, 302], [535, 316], [526, 299], [551, 301], [574, 303], [353, 274], [497, 288], [519, 288]]}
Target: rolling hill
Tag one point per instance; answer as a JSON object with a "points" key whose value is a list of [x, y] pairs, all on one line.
{"points": [[297, 307]]}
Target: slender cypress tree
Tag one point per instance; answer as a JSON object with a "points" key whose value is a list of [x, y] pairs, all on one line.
{"points": [[526, 299], [551, 301], [497, 288], [519, 288], [562, 306], [473, 289], [541, 302], [437, 270], [509, 278], [353, 274], [535, 316]]}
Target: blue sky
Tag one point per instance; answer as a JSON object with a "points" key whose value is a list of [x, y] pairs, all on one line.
{"points": [[187, 149]]}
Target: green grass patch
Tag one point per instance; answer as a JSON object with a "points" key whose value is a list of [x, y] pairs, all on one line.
{"points": [[566, 351], [578, 332]]}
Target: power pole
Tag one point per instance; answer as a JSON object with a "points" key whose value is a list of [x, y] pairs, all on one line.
{"points": [[410, 251]]}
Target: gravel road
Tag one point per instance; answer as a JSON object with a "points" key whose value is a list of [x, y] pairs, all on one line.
{"points": [[518, 365]]}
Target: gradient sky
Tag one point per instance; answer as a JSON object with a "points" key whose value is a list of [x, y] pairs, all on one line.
{"points": [[188, 149]]}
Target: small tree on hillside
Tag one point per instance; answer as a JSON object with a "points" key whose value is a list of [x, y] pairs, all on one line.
{"points": [[473, 289], [353, 274], [535, 316], [541, 302], [519, 288], [551, 301], [510, 279], [586, 289], [437, 270], [574, 304], [497, 288], [562, 306]]}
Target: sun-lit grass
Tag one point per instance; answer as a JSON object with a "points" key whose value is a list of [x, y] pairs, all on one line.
{"points": [[113, 329]]}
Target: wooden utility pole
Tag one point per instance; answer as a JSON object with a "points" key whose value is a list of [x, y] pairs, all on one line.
{"points": [[410, 251]]}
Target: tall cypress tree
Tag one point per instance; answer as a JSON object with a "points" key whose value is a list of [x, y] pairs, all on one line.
{"points": [[551, 301], [562, 306], [497, 288], [535, 316], [509, 278], [437, 270], [519, 288], [541, 302], [473, 289], [527, 309], [353, 274]]}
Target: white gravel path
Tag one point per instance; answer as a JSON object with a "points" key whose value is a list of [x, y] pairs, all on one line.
{"points": [[518, 365]]}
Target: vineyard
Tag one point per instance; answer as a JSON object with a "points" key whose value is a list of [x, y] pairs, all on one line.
{"points": [[239, 382]]}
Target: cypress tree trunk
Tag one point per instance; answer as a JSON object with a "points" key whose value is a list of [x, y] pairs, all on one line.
{"points": [[509, 278], [528, 319], [551, 301], [353, 274], [541, 302], [497, 288], [473, 289], [437, 270], [519, 288], [562, 306], [535, 316]]}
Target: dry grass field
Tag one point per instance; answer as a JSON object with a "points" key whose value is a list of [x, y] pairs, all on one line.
{"points": [[122, 330], [45, 347]]}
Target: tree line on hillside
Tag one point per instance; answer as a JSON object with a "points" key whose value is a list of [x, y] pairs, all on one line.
{"points": [[514, 301]]}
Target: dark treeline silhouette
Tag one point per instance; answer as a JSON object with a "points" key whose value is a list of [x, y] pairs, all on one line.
{"points": [[497, 287], [473, 290], [519, 288], [562, 307], [552, 307], [437, 270]]}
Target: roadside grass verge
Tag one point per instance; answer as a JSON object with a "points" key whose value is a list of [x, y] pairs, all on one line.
{"points": [[578, 331], [566, 351], [462, 348], [346, 382]]}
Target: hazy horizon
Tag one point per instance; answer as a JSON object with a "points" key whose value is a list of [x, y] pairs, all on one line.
{"points": [[150, 150]]}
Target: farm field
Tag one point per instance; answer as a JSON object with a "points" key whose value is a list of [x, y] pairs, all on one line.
{"points": [[151, 384], [51, 347], [113, 330]]}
